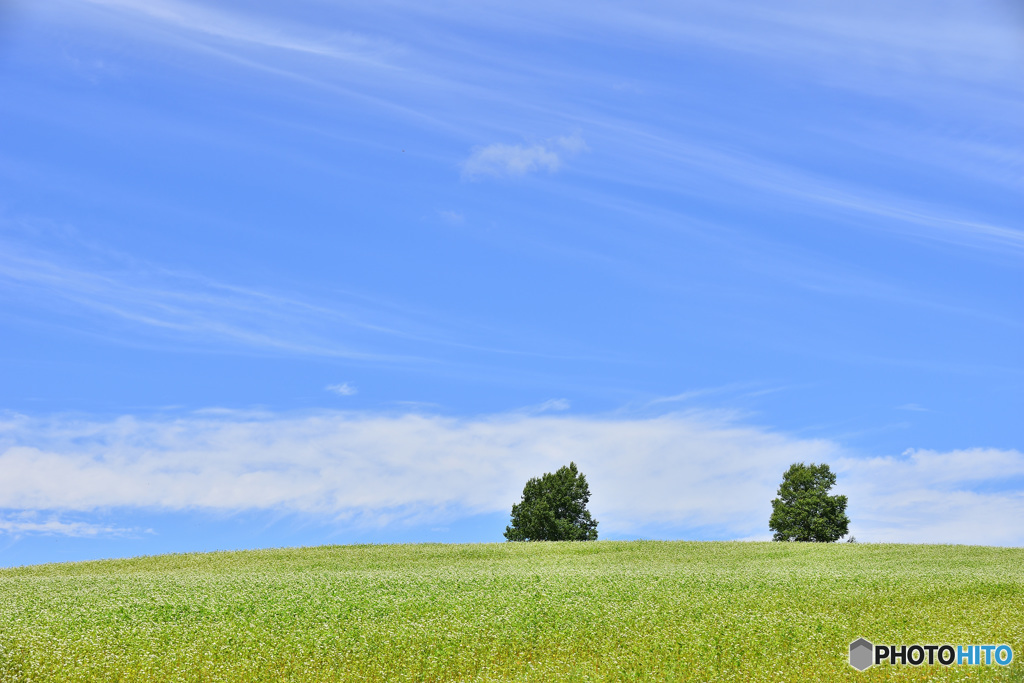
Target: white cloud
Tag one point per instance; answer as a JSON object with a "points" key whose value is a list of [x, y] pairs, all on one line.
{"points": [[452, 217], [554, 404], [696, 393], [517, 160], [679, 469], [689, 471], [962, 496], [31, 524], [344, 389], [551, 405]]}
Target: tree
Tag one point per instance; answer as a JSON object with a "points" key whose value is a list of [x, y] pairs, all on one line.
{"points": [[804, 511], [554, 508]]}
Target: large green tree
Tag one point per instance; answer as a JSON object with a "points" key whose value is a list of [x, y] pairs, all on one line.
{"points": [[804, 511], [554, 508]]}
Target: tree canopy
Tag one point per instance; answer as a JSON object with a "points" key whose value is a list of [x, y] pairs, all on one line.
{"points": [[804, 511], [554, 508]]}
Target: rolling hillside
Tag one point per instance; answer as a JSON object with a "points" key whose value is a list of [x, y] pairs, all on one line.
{"points": [[602, 611]]}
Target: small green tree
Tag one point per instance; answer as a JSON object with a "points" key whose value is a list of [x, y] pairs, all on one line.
{"points": [[804, 511], [554, 508]]}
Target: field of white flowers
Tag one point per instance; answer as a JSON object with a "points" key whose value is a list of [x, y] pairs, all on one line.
{"points": [[600, 611]]}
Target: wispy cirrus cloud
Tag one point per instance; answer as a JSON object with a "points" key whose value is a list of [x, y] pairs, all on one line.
{"points": [[246, 29], [105, 293], [102, 292], [503, 160], [687, 473], [690, 167], [907, 48], [153, 300], [846, 44]]}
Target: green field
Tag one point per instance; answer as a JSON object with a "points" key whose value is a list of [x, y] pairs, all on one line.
{"points": [[600, 611]]}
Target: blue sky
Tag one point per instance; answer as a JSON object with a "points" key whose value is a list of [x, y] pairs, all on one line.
{"points": [[352, 272]]}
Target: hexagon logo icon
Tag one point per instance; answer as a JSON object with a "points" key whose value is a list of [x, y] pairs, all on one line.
{"points": [[862, 654]]}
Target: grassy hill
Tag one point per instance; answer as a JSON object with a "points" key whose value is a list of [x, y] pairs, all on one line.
{"points": [[599, 611]]}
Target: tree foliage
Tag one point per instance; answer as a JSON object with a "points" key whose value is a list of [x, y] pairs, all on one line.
{"points": [[554, 508], [804, 511]]}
